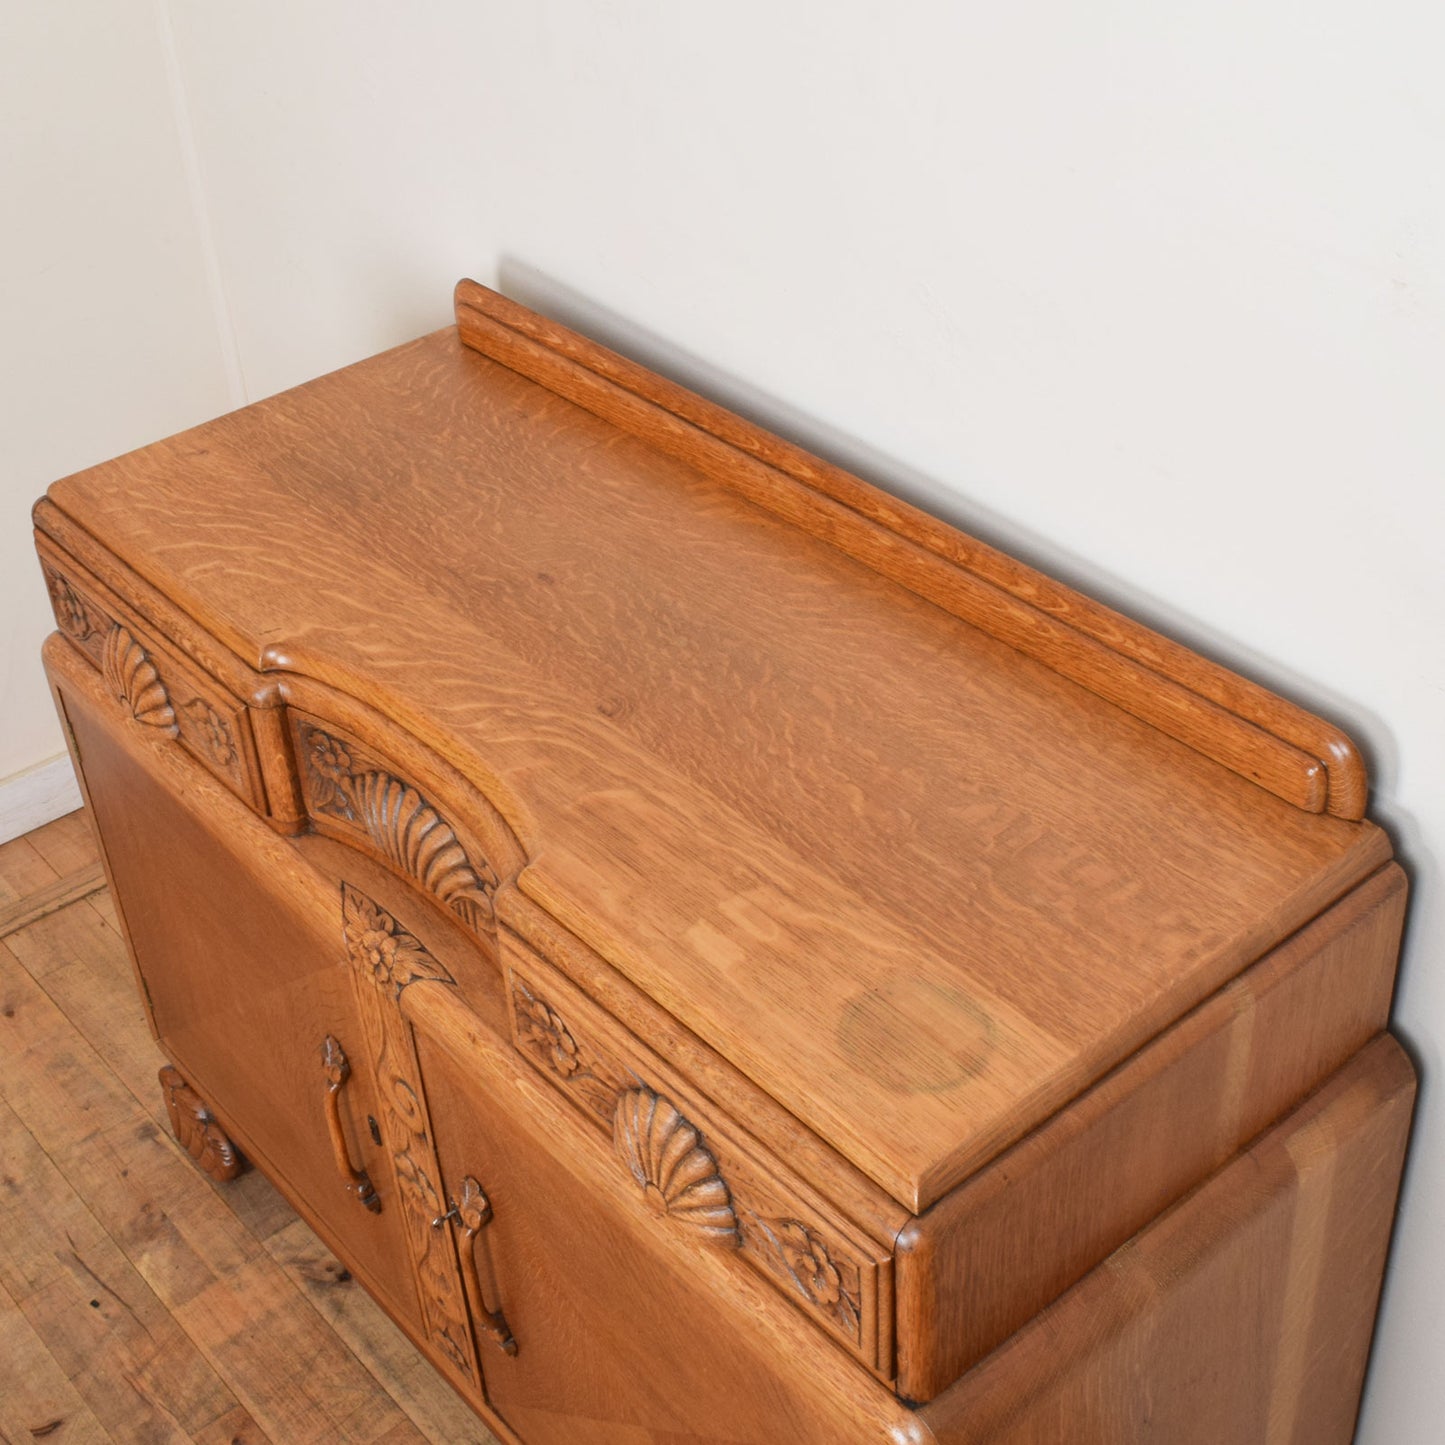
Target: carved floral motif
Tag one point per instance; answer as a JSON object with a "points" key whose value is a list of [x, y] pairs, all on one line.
{"points": [[386, 958], [541, 1029], [421, 1200], [830, 1285], [382, 949], [209, 731], [678, 1175], [132, 676], [71, 613], [330, 766], [542, 1034], [406, 829]]}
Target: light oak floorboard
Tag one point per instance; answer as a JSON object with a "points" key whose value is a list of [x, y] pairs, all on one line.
{"points": [[67, 844], [37, 1400], [139, 1302], [23, 872], [70, 889]]}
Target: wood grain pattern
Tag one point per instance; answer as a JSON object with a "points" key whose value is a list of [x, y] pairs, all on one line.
{"points": [[245, 979], [536, 934], [1223, 715], [75, 562], [1240, 1317], [627, 1334], [788, 953], [800, 1242], [1264, 1274], [60, 894], [724, 743], [988, 1256], [153, 683]]}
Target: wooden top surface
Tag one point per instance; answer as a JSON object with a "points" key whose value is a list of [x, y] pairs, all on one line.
{"points": [[919, 887]]}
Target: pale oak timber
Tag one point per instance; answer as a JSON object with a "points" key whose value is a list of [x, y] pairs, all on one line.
{"points": [[1234, 1319], [64, 891], [37, 1401], [606, 690], [67, 845], [255, 1026], [24, 872], [780, 945], [1222, 717], [984, 1259]]}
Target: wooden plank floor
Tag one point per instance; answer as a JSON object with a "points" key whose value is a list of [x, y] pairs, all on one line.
{"points": [[140, 1302]]}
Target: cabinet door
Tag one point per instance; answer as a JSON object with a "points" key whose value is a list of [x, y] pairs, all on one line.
{"points": [[624, 1330], [240, 959]]}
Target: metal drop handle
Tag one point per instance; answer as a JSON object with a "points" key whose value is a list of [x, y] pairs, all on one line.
{"points": [[473, 1212], [338, 1070]]}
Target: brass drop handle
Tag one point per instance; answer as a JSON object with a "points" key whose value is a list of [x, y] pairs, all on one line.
{"points": [[473, 1211], [338, 1071]]}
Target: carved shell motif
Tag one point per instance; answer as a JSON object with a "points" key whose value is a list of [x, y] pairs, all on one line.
{"points": [[678, 1176], [419, 841], [133, 678]]}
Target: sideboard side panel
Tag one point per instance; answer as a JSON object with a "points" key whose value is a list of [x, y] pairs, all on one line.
{"points": [[986, 1258], [1242, 1315]]}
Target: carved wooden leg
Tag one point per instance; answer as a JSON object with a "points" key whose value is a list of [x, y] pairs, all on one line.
{"points": [[199, 1134]]}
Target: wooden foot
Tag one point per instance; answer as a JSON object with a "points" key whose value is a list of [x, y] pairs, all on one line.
{"points": [[199, 1134]]}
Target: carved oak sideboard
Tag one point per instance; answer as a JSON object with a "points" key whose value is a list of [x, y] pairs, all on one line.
{"points": [[720, 955]]}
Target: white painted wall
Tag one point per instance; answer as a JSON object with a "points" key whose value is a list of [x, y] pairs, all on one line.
{"points": [[1154, 295], [107, 333]]}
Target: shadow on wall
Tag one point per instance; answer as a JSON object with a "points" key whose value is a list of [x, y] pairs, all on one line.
{"points": [[534, 288]]}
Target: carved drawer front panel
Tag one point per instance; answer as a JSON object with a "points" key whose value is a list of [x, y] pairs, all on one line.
{"points": [[698, 1173], [154, 685], [352, 792]]}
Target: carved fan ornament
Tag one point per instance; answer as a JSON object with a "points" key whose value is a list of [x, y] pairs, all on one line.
{"points": [[413, 837], [678, 1176], [132, 676]]}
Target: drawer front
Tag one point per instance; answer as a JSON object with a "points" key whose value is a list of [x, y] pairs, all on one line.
{"points": [[437, 834], [696, 1170], [155, 686]]}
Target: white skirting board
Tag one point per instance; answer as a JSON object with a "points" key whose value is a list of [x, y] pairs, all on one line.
{"points": [[37, 795]]}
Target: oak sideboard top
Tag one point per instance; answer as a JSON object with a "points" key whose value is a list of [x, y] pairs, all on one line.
{"points": [[921, 843]]}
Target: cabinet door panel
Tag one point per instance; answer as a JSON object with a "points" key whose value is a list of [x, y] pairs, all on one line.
{"points": [[240, 958], [625, 1331]]}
